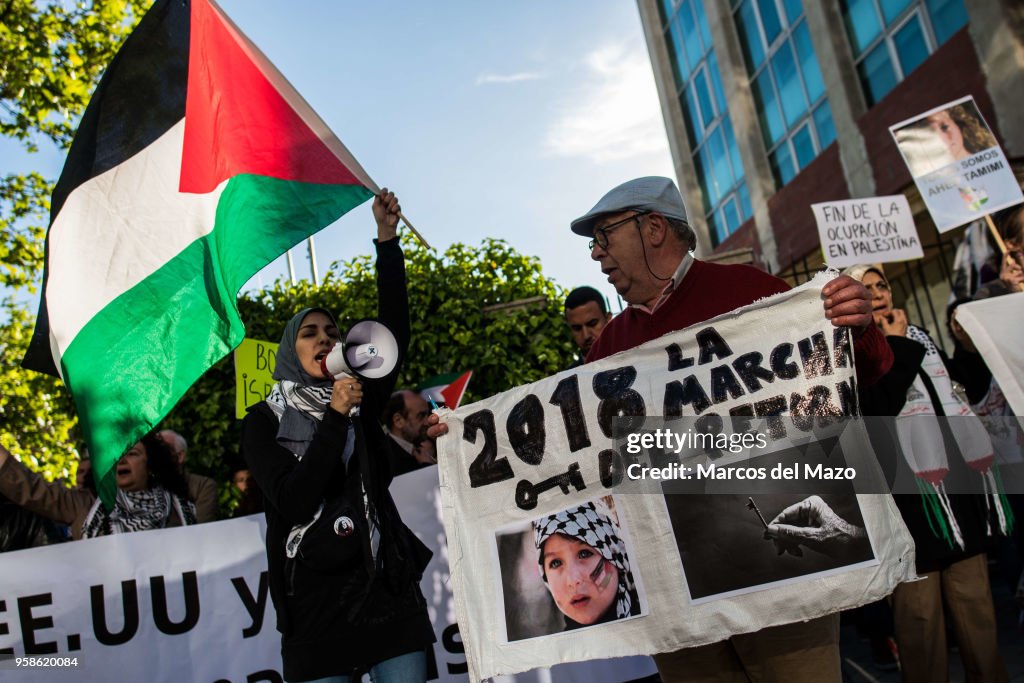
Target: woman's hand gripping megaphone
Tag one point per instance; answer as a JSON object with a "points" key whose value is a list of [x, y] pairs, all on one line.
{"points": [[369, 351], [347, 392]]}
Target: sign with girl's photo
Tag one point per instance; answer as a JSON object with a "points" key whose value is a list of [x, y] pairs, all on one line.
{"points": [[567, 570], [566, 544], [957, 164]]}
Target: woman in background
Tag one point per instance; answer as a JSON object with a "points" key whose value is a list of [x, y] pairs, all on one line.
{"points": [[1008, 267], [951, 533], [151, 494], [943, 138]]}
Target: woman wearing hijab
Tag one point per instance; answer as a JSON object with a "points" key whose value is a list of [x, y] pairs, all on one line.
{"points": [[950, 532], [344, 569], [151, 494], [584, 564]]}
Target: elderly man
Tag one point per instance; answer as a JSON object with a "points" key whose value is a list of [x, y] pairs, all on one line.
{"points": [[405, 421], [201, 490], [586, 315], [640, 236]]}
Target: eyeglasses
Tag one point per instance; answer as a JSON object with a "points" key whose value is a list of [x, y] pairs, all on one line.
{"points": [[601, 234]]}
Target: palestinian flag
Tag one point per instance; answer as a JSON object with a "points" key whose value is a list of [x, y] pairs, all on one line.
{"points": [[195, 165], [445, 390]]}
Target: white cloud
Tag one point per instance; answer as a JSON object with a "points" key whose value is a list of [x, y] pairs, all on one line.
{"points": [[488, 79], [614, 114]]}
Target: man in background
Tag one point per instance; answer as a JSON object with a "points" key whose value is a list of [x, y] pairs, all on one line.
{"points": [[201, 490], [83, 475], [586, 315], [405, 421]]}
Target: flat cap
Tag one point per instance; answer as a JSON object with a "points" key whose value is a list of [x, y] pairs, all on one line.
{"points": [[651, 193]]}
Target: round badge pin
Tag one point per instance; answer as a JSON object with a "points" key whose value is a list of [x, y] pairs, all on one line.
{"points": [[344, 526]]}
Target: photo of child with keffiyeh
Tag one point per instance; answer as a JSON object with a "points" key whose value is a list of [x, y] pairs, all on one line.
{"points": [[567, 570]]}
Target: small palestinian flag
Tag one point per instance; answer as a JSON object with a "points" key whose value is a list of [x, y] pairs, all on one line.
{"points": [[195, 165], [445, 390]]}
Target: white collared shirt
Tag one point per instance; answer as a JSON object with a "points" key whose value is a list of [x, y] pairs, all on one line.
{"points": [[677, 277], [406, 446]]}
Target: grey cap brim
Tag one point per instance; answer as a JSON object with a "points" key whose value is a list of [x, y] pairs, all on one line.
{"points": [[648, 194]]}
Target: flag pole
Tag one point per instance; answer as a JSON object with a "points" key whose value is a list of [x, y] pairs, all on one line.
{"points": [[413, 230], [291, 268], [312, 261], [995, 233], [1001, 244]]}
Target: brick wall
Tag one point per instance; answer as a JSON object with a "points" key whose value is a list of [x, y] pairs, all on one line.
{"points": [[744, 237], [796, 233]]}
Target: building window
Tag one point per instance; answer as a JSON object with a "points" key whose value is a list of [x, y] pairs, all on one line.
{"points": [[709, 128], [786, 80], [891, 38]]}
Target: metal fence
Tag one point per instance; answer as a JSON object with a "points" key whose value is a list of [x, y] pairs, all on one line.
{"points": [[921, 287]]}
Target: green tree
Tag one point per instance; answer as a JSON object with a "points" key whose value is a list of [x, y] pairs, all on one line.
{"points": [[51, 57], [486, 308], [24, 203], [35, 409]]}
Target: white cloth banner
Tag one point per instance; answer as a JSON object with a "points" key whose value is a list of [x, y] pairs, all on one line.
{"points": [[874, 229], [192, 604], [536, 465], [994, 326], [182, 604], [419, 502]]}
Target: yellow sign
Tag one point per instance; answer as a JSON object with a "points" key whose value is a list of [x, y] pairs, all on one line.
{"points": [[254, 370]]}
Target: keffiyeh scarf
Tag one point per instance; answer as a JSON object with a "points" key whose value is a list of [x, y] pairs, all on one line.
{"points": [[137, 511], [584, 523], [298, 409]]}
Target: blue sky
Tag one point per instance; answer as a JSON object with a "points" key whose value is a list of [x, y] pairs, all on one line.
{"points": [[504, 120]]}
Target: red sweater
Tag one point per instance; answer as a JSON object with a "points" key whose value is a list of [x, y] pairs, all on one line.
{"points": [[708, 290]]}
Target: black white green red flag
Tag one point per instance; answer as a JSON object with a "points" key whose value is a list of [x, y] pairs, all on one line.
{"points": [[445, 390], [195, 165], [454, 392]]}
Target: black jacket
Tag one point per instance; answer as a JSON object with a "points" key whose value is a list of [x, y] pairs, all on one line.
{"points": [[400, 461], [342, 617]]}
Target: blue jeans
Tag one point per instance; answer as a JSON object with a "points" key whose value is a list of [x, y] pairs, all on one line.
{"points": [[407, 668]]}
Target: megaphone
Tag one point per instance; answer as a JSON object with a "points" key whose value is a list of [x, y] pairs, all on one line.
{"points": [[368, 351]]}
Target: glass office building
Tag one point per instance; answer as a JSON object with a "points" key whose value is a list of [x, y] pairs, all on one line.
{"points": [[774, 105]]}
